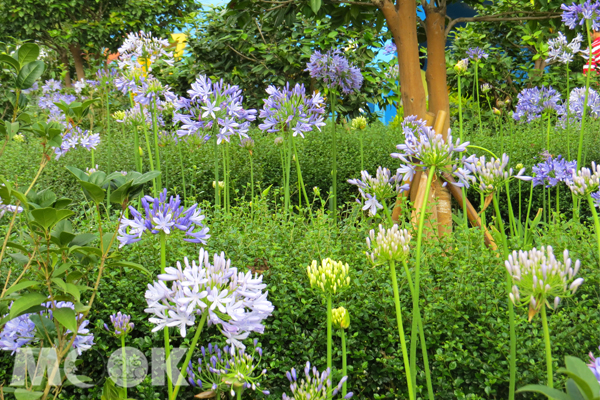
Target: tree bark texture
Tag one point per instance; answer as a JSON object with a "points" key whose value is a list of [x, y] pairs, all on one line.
{"points": [[76, 53], [64, 58]]}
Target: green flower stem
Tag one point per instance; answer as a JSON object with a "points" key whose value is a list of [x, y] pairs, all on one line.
{"points": [[520, 220], [416, 314], [156, 147], [216, 155], [149, 149], [239, 394], [344, 362], [109, 139], [596, 220], [465, 216], [544, 205], [181, 167], [163, 265], [361, 137], [124, 361], [136, 140], [93, 163], [477, 89], [409, 375], [585, 99], [302, 187], [288, 169], [548, 347], [548, 134], [329, 338], [568, 122], [512, 361], [512, 224], [460, 116], [528, 211], [251, 175], [334, 157], [189, 354]]}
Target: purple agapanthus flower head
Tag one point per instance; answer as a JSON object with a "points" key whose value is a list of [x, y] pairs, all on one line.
{"points": [[291, 110], [426, 148], [234, 301], [552, 171], [121, 325], [389, 48], [577, 99], [164, 217], [595, 365], [535, 102], [492, 174], [314, 385], [21, 331], [381, 187], [334, 69], [141, 50], [477, 54], [74, 137], [51, 85], [578, 14], [151, 91], [561, 51], [213, 104]]}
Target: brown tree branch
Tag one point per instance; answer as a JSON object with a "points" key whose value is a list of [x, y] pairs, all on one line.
{"points": [[243, 56], [501, 18], [259, 31]]}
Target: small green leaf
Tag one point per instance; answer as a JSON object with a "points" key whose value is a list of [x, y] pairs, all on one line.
{"points": [[545, 390], [25, 302], [46, 217], [73, 291], [60, 283], [129, 264], [23, 394], [66, 317], [93, 192], [20, 286], [29, 74], [10, 61], [315, 5]]}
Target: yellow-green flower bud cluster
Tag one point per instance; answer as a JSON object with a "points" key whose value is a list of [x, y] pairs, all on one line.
{"points": [[330, 276], [389, 244], [341, 318], [359, 123]]}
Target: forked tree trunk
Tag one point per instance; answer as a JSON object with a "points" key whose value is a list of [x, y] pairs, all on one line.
{"points": [[76, 53]]}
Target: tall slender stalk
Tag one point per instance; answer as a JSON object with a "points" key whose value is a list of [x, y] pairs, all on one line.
{"points": [[251, 175], [460, 116], [548, 134], [409, 374], [124, 366], [334, 156], [344, 362], [216, 156], [288, 169], [302, 187], [512, 361], [568, 122], [189, 354], [179, 144], [329, 338], [548, 347], [156, 147], [361, 137], [150, 160], [596, 220], [416, 313], [136, 139], [109, 140], [163, 265], [477, 90], [585, 99]]}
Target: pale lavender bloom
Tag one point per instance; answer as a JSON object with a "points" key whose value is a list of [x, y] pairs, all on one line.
{"points": [[233, 300], [213, 103], [476, 54], [314, 386], [578, 14], [552, 171], [493, 174], [78, 86], [383, 186], [291, 109], [9, 207], [121, 324], [585, 181], [21, 331], [150, 90], [576, 100], [51, 85], [424, 147], [537, 276], [74, 137], [32, 89], [595, 365], [371, 203], [389, 49], [141, 50], [561, 51], [335, 71], [161, 216], [536, 102]]}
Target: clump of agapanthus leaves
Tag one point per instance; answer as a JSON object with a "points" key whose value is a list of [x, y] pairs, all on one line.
{"points": [[23, 330], [233, 300], [314, 385], [540, 279], [491, 175], [425, 148], [559, 50], [536, 102], [378, 189], [160, 216], [227, 370]]}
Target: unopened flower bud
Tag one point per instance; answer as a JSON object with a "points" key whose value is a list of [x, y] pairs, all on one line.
{"points": [[497, 112], [19, 138], [462, 66], [278, 141], [359, 123], [340, 318]]}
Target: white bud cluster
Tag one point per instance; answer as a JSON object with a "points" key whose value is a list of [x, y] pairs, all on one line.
{"points": [[585, 181], [330, 276], [389, 244], [538, 276]]}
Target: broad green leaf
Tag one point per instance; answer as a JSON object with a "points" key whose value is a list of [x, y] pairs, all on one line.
{"points": [[80, 308], [29, 74], [61, 270], [23, 394], [62, 214], [74, 291], [545, 390], [315, 5], [25, 302], [25, 118], [20, 286], [28, 52], [121, 194], [60, 283], [10, 61], [46, 217], [581, 370], [83, 239], [74, 276], [93, 192], [66, 317], [129, 264], [19, 258], [79, 174], [573, 390]]}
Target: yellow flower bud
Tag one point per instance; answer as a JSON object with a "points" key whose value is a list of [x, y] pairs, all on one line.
{"points": [[340, 318]]}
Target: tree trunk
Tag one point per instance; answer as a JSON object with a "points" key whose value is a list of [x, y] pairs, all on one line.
{"points": [[76, 53], [64, 58], [402, 21]]}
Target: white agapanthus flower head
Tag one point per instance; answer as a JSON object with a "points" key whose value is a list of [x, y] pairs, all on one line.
{"points": [[386, 245]]}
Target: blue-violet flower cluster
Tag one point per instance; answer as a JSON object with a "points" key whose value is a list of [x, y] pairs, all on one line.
{"points": [[334, 69], [314, 385]]}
